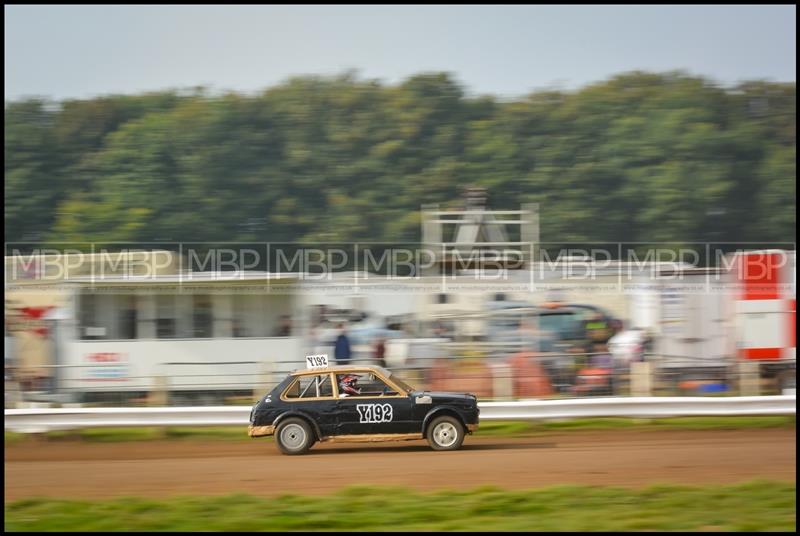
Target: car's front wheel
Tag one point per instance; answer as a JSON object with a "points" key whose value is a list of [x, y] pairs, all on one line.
{"points": [[445, 433], [294, 436]]}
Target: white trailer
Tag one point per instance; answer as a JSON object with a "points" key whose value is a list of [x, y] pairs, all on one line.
{"points": [[185, 334]]}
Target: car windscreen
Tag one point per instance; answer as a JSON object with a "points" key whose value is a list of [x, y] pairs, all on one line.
{"points": [[401, 384], [563, 325]]}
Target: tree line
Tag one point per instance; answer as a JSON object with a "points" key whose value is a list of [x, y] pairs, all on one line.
{"points": [[638, 157]]}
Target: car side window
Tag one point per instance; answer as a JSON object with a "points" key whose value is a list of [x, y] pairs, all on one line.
{"points": [[316, 386], [363, 385], [294, 389]]}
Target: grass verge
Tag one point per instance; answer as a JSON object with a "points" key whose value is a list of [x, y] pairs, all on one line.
{"points": [[671, 423], [754, 506], [487, 429]]}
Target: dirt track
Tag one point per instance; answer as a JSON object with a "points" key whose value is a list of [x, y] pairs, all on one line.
{"points": [[91, 470]]}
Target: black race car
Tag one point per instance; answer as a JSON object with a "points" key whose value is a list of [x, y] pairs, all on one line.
{"points": [[359, 403]]}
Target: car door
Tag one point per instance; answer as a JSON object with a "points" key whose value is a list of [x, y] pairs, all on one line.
{"points": [[380, 408]]}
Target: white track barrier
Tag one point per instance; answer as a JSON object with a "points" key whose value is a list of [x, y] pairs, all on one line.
{"points": [[47, 419]]}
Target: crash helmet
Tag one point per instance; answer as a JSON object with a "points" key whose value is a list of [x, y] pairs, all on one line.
{"points": [[347, 384]]}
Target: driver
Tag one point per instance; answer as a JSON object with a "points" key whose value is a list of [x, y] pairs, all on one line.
{"points": [[348, 385]]}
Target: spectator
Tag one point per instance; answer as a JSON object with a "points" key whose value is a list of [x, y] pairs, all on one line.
{"points": [[439, 330], [284, 328], [602, 358], [342, 350], [380, 351], [579, 355], [648, 344], [238, 328], [616, 326], [597, 329]]}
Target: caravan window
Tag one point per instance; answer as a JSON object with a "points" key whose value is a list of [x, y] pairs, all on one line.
{"points": [[128, 315], [202, 316], [166, 317]]}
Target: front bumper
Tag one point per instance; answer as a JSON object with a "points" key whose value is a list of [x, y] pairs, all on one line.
{"points": [[258, 431]]}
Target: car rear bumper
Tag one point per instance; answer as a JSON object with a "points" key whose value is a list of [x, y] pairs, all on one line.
{"points": [[258, 431]]}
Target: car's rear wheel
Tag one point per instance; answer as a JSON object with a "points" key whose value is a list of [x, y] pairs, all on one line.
{"points": [[294, 436], [445, 433]]}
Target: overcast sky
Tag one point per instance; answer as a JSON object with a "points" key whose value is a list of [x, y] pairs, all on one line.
{"points": [[83, 51]]}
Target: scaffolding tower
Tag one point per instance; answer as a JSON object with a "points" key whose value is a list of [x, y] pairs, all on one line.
{"points": [[475, 237]]}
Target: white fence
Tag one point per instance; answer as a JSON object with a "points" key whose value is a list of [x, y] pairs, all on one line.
{"points": [[47, 419]]}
